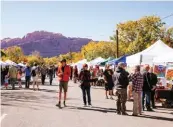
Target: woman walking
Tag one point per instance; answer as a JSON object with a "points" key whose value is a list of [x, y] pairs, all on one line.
{"points": [[75, 74], [19, 78], [35, 75], [85, 78]]}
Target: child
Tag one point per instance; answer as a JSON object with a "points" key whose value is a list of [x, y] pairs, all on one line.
{"points": [[19, 76], [6, 81]]}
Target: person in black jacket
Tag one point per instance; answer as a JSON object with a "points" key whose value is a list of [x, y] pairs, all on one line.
{"points": [[85, 78], [147, 87], [51, 74], [108, 82], [121, 81], [153, 78]]}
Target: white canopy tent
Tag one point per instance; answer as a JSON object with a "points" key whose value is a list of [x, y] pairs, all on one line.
{"points": [[96, 61], [22, 65], [9, 62], [147, 56], [2, 63], [165, 58], [80, 63]]}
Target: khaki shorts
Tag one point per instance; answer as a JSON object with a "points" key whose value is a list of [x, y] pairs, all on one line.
{"points": [[63, 85], [35, 79]]}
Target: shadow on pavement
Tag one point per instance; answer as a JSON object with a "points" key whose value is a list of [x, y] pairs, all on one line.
{"points": [[162, 108], [22, 96], [157, 118], [163, 112], [46, 90], [21, 106], [98, 109]]}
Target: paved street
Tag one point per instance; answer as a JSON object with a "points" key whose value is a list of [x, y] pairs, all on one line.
{"points": [[28, 108]]}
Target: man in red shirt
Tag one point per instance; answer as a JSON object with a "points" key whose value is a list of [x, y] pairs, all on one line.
{"points": [[63, 73]]}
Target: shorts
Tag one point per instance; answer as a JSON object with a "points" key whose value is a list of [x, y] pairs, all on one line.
{"points": [[35, 79], [109, 87], [19, 80], [6, 84], [63, 85]]}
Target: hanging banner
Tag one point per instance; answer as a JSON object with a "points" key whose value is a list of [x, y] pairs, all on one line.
{"points": [[160, 70]]}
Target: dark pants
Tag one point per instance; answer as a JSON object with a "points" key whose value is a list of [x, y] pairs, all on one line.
{"points": [[27, 81], [43, 77], [2, 79], [146, 97], [50, 79], [153, 98], [13, 81], [86, 92], [54, 74], [121, 100]]}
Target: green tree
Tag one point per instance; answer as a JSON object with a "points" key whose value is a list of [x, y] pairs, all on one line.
{"points": [[14, 53], [135, 36], [99, 49]]}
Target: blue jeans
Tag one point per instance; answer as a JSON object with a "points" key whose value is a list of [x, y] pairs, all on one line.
{"points": [[146, 98]]}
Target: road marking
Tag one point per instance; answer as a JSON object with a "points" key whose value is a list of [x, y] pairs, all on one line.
{"points": [[2, 117]]}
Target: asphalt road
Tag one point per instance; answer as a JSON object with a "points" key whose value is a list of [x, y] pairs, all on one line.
{"points": [[28, 108]]}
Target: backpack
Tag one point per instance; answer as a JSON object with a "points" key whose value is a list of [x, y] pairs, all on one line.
{"points": [[33, 73]]}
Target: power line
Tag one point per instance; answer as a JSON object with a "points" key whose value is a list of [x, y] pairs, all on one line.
{"points": [[167, 16]]}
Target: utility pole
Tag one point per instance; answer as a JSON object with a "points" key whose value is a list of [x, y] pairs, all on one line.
{"points": [[71, 55], [117, 46]]}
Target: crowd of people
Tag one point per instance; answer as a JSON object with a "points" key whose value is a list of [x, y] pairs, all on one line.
{"points": [[13, 74], [115, 81], [143, 85]]}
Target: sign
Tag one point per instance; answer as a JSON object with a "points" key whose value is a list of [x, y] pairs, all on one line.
{"points": [[160, 70], [169, 74]]}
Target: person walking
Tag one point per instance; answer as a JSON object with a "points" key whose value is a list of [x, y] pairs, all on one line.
{"points": [[75, 74], [146, 89], [2, 75], [43, 74], [35, 76], [85, 78], [71, 75], [6, 81], [121, 81], [108, 82], [12, 73], [19, 77], [54, 71], [27, 76], [137, 85], [64, 72], [51, 74], [153, 78]]}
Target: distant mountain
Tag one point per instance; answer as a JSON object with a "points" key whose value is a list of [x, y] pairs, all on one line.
{"points": [[47, 43]]}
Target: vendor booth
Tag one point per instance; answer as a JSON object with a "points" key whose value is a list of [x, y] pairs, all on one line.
{"points": [[96, 61], [116, 61], [159, 56], [106, 61], [80, 63], [147, 56], [9, 62], [2, 63]]}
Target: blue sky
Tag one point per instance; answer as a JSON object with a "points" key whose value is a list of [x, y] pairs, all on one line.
{"points": [[96, 20]]}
